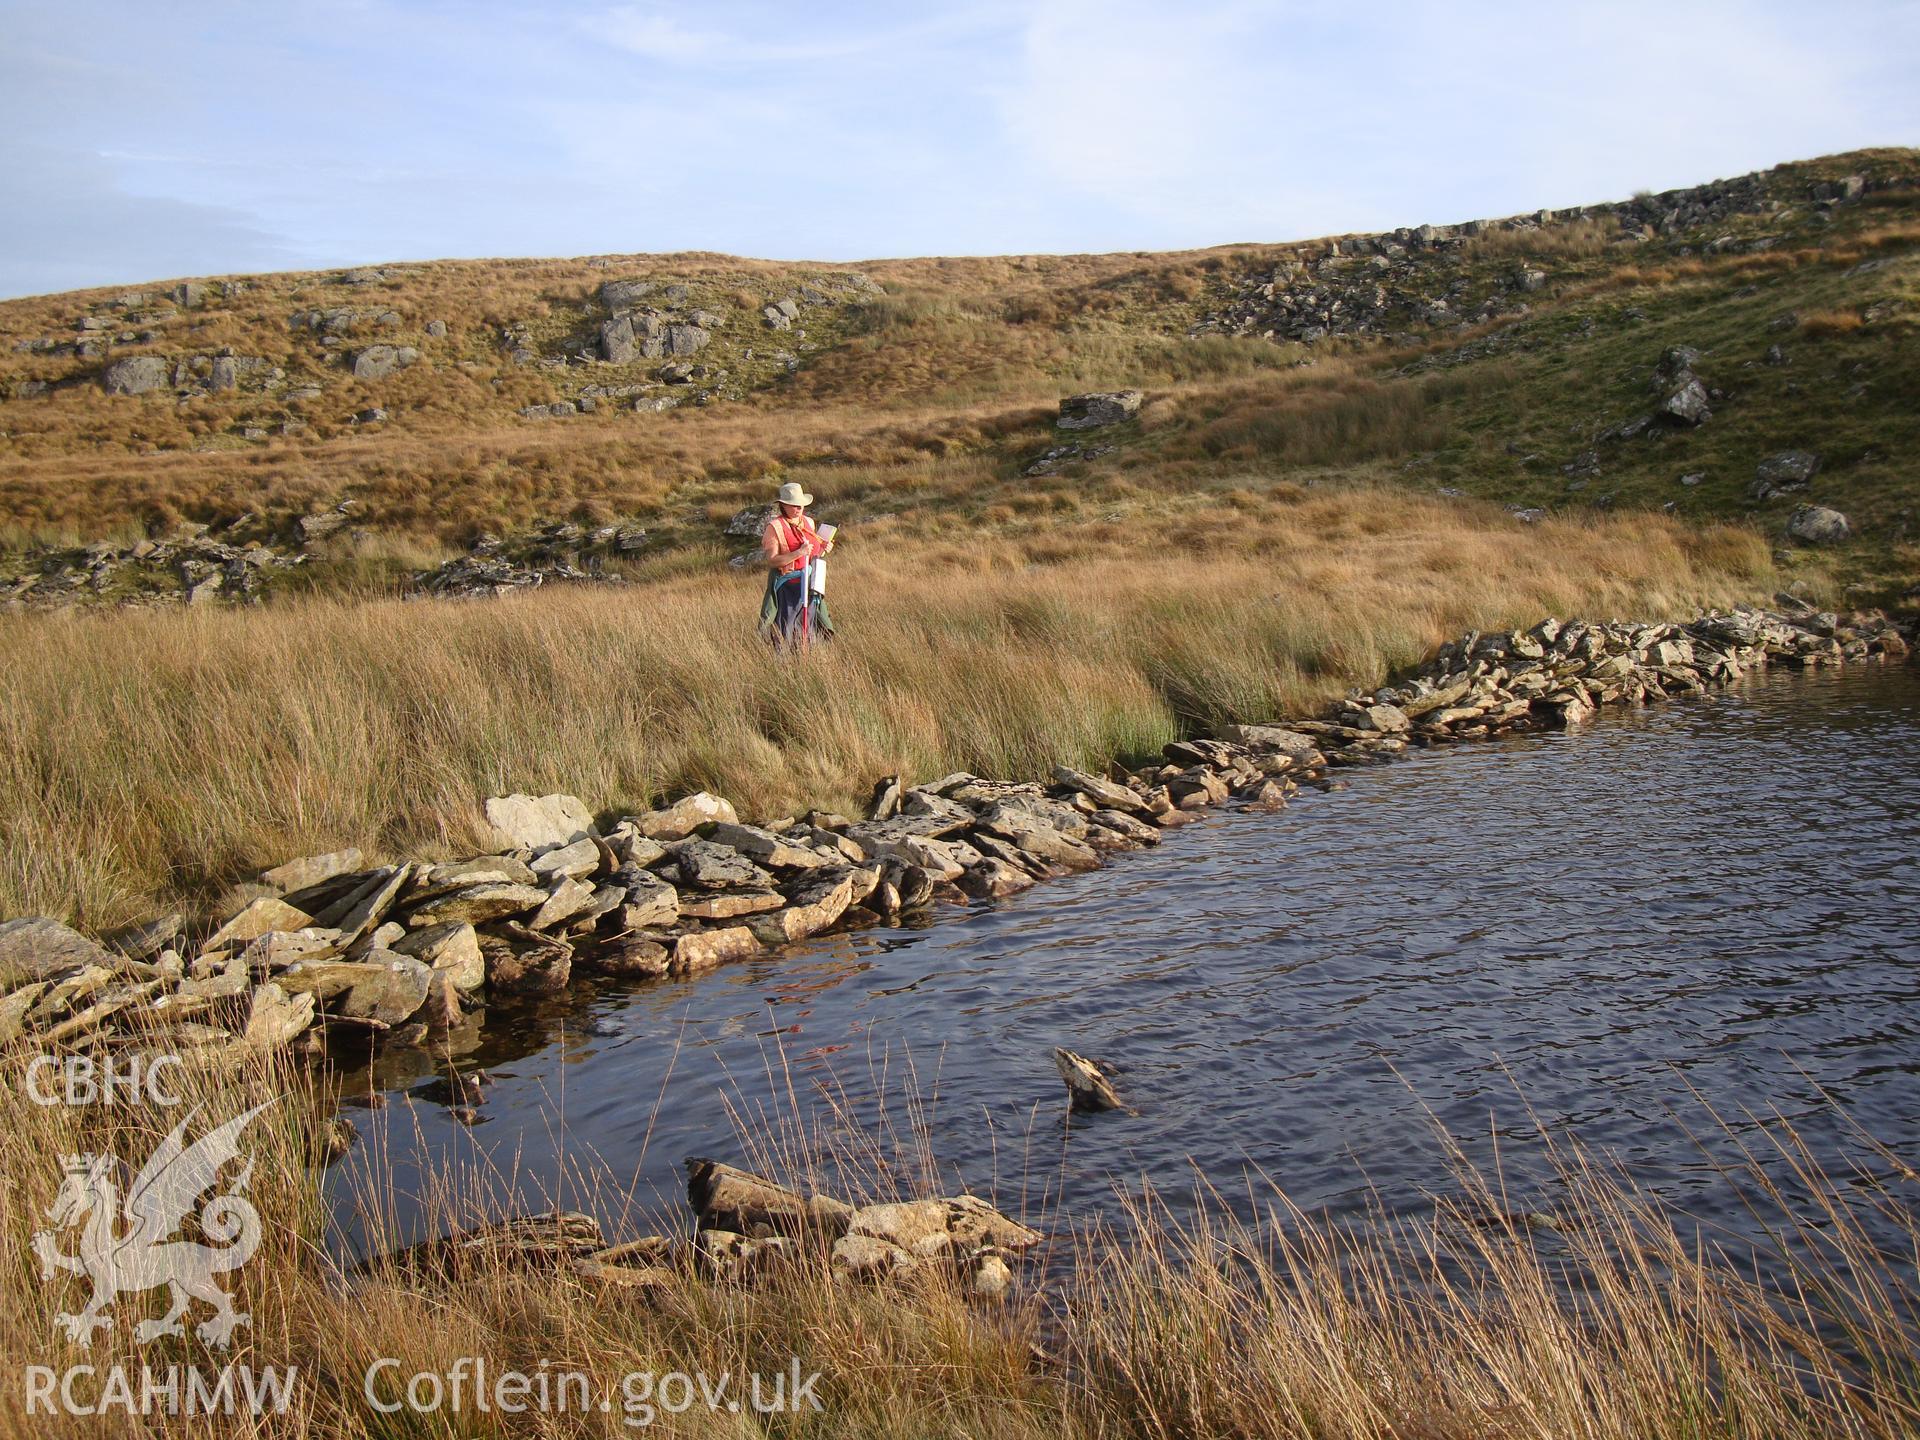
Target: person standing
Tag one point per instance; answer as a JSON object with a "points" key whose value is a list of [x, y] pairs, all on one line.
{"points": [[790, 544]]}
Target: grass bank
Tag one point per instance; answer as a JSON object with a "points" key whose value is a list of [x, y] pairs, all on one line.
{"points": [[148, 760], [1612, 1317]]}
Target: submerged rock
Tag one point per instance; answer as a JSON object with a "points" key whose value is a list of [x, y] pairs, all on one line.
{"points": [[1088, 1088]]}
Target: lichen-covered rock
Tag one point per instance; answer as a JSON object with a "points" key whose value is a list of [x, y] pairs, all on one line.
{"points": [[1818, 525], [529, 822], [478, 904], [683, 817], [708, 866], [136, 375], [704, 949], [1784, 472], [1088, 412], [451, 948], [376, 362], [36, 947], [256, 920]]}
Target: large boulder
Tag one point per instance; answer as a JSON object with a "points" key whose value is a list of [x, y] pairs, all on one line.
{"points": [[262, 915], [705, 949], [748, 523], [764, 847], [708, 866], [931, 1229], [572, 862], [1089, 412], [814, 908], [650, 902], [617, 343], [524, 963], [686, 339], [310, 870], [725, 1197], [135, 375], [1687, 404], [451, 948], [376, 362], [1105, 792], [1088, 1088], [619, 295], [276, 1018], [394, 987], [530, 822], [1276, 739], [477, 904], [1817, 525]]}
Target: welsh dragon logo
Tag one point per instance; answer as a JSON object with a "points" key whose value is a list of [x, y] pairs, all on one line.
{"points": [[127, 1246]]}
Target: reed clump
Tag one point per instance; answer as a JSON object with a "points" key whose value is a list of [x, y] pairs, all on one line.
{"points": [[1611, 1315]]}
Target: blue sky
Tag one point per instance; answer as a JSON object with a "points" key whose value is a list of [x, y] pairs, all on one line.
{"points": [[143, 141]]}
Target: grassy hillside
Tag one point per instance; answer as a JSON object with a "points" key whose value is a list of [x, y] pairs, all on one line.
{"points": [[1483, 362], [1321, 483]]}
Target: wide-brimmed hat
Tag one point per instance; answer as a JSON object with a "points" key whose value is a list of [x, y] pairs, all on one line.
{"points": [[792, 494]]}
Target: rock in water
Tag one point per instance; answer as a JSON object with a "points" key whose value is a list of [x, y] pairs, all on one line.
{"points": [[1087, 1085], [725, 1197]]}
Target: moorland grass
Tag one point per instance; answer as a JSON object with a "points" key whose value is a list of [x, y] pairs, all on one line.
{"points": [[1612, 1317], [149, 759]]}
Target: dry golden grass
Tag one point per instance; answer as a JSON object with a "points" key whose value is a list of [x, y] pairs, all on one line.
{"points": [[1571, 239], [148, 759], [1825, 324], [1612, 1318]]}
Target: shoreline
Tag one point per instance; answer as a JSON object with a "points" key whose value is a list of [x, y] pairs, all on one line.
{"points": [[329, 952], [910, 1301]]}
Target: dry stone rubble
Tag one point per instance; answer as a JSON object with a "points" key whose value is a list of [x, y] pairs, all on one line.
{"points": [[328, 946]]}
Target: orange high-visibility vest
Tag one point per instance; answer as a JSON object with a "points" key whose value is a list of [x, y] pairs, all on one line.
{"points": [[796, 535]]}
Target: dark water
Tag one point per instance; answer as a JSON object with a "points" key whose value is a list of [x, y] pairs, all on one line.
{"points": [[1713, 900]]}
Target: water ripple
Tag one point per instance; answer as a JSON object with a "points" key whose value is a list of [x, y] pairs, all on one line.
{"points": [[1570, 930]]}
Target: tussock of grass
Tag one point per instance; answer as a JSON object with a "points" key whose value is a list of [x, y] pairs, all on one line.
{"points": [[1612, 1317], [149, 759]]}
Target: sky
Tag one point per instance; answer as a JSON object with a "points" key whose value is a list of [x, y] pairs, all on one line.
{"points": [[143, 141]]}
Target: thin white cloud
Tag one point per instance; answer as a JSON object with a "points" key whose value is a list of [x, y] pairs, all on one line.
{"points": [[656, 36], [851, 128]]}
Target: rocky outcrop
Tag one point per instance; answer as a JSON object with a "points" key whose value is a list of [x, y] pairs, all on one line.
{"points": [[1089, 412], [136, 375], [1414, 281], [191, 566], [1684, 396], [377, 362], [1784, 472], [560, 552], [745, 1222]]}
